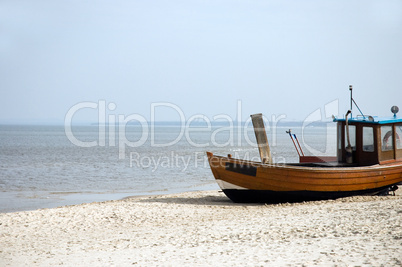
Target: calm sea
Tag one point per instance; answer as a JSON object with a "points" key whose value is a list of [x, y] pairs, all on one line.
{"points": [[43, 166]]}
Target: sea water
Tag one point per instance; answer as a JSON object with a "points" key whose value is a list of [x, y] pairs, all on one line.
{"points": [[43, 166]]}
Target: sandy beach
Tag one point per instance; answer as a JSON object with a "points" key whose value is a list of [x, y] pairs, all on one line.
{"points": [[205, 228]]}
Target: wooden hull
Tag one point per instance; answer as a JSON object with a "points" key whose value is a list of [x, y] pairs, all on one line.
{"points": [[248, 181]]}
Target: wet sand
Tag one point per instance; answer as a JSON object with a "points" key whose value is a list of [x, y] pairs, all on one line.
{"points": [[205, 228]]}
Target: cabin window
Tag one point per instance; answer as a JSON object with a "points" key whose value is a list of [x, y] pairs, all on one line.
{"points": [[387, 139], [352, 137], [339, 136], [368, 139], [398, 136]]}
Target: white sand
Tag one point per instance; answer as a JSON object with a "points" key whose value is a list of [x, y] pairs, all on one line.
{"points": [[204, 228]]}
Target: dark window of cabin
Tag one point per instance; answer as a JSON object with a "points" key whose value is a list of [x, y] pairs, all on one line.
{"points": [[368, 139], [387, 140], [339, 136], [398, 136], [352, 137]]}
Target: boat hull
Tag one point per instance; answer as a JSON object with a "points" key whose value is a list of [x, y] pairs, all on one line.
{"points": [[247, 181]]}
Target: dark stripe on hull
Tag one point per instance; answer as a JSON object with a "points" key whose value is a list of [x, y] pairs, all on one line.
{"points": [[267, 196], [242, 169]]}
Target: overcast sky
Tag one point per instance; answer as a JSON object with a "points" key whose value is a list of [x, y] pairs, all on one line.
{"points": [[276, 57]]}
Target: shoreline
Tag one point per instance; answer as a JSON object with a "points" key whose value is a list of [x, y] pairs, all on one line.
{"points": [[19, 201], [204, 228]]}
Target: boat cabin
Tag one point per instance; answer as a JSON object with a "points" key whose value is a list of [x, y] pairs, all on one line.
{"points": [[371, 140]]}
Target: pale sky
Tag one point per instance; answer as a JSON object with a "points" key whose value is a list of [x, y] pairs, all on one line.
{"points": [[276, 57]]}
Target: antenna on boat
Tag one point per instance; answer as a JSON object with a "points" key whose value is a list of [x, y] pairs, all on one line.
{"points": [[353, 101]]}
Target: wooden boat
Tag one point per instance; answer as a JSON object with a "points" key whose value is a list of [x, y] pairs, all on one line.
{"points": [[368, 162]]}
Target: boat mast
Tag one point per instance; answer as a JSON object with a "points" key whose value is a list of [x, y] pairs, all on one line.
{"points": [[351, 100], [261, 136]]}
